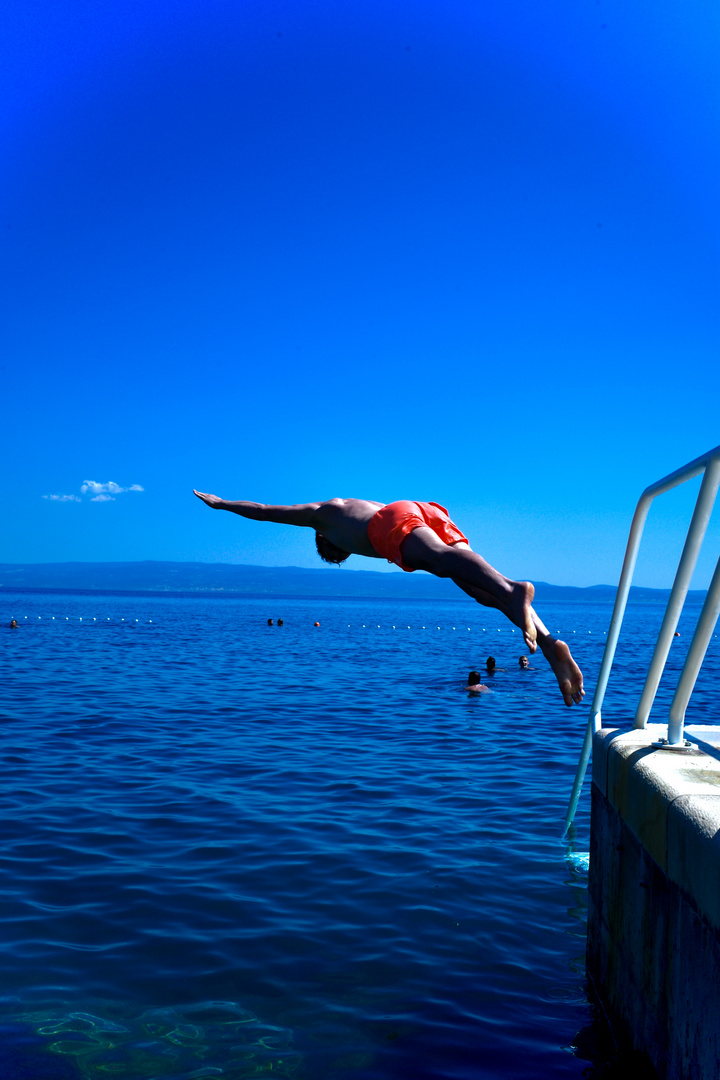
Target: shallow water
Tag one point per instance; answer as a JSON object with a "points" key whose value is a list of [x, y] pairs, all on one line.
{"points": [[230, 848]]}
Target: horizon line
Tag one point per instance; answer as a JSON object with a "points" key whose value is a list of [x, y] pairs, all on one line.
{"points": [[19, 567]]}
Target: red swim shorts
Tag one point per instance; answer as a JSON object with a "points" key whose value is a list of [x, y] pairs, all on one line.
{"points": [[388, 528]]}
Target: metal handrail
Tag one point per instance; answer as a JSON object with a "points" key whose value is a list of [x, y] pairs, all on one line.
{"points": [[708, 463]]}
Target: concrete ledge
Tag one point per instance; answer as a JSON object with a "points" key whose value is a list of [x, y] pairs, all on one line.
{"points": [[654, 896], [651, 788]]}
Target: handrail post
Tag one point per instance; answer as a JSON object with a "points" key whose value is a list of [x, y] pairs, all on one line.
{"points": [[709, 464], [579, 775], [626, 576], [691, 550], [594, 723], [693, 661]]}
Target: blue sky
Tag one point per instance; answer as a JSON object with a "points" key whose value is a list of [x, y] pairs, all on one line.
{"points": [[283, 251]]}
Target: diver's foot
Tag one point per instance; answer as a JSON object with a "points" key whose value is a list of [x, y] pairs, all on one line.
{"points": [[567, 673], [519, 611]]}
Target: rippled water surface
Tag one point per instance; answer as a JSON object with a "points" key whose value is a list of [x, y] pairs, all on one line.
{"points": [[230, 848]]}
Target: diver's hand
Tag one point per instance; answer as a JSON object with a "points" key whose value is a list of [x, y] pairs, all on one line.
{"points": [[213, 501]]}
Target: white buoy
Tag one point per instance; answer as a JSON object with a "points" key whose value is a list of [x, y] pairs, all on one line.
{"points": [[81, 618]]}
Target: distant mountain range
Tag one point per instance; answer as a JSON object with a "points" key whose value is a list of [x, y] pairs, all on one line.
{"points": [[236, 578]]}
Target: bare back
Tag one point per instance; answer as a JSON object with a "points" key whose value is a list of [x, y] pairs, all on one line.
{"points": [[344, 523]]}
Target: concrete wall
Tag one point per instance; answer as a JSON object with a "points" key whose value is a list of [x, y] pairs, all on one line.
{"points": [[654, 896]]}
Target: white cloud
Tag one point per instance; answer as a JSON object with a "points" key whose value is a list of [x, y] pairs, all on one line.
{"points": [[111, 488], [100, 492]]}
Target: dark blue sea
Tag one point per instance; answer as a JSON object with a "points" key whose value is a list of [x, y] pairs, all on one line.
{"points": [[231, 849]]}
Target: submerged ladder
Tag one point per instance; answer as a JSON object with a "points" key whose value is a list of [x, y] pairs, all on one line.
{"points": [[709, 464]]}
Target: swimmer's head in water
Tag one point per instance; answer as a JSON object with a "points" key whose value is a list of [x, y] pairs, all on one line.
{"points": [[524, 662], [490, 663], [328, 552], [474, 678]]}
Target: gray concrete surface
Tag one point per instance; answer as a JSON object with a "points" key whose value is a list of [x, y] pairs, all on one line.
{"points": [[654, 896]]}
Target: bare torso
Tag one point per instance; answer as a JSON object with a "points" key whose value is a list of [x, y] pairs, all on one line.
{"points": [[344, 523]]}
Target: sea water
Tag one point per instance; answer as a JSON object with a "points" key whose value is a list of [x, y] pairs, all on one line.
{"points": [[231, 849]]}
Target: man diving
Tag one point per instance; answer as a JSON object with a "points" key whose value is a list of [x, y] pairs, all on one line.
{"points": [[418, 536]]}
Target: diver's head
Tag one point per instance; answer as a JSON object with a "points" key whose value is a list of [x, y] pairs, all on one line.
{"points": [[328, 552]]}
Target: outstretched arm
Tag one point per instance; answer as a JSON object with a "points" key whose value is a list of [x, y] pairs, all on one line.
{"points": [[300, 514]]}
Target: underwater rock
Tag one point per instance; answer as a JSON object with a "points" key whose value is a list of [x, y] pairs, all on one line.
{"points": [[183, 1042]]}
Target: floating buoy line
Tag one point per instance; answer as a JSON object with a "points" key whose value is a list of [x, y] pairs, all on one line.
{"points": [[483, 629], [361, 626], [86, 618]]}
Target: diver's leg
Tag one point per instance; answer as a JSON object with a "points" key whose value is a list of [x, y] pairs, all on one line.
{"points": [[423, 550], [556, 652]]}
